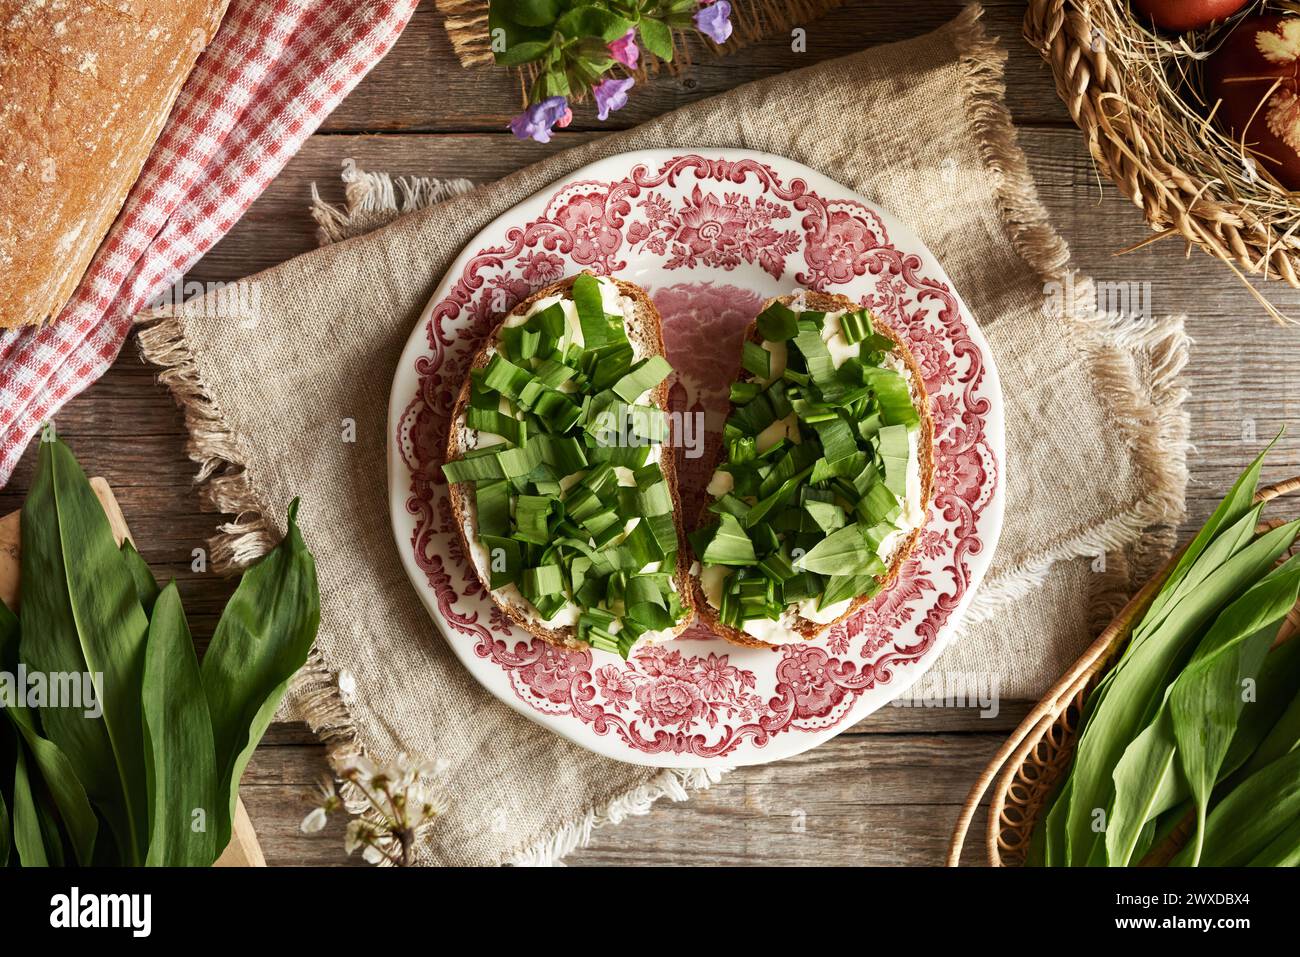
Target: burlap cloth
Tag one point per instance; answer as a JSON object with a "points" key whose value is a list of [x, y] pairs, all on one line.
{"points": [[1095, 435]]}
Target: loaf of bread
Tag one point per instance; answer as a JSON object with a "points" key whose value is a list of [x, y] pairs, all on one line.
{"points": [[84, 91]]}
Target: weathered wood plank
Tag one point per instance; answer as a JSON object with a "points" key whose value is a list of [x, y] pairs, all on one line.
{"points": [[855, 800], [277, 812], [877, 799], [888, 791]]}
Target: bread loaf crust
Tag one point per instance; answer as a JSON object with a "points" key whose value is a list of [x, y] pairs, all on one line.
{"points": [[85, 89]]}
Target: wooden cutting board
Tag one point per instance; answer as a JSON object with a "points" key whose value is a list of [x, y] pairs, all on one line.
{"points": [[244, 850]]}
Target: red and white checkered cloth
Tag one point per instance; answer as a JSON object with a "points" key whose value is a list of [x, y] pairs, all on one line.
{"points": [[273, 72]]}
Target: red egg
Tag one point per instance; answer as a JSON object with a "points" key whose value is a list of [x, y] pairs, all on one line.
{"points": [[1255, 74], [1183, 15]]}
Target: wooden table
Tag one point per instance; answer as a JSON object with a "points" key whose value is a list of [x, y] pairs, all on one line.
{"points": [[887, 791]]}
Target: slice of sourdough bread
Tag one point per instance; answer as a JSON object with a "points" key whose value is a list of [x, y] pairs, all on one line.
{"points": [[806, 628], [644, 328]]}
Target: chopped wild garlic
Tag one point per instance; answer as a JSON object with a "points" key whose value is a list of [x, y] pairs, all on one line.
{"points": [[572, 511]]}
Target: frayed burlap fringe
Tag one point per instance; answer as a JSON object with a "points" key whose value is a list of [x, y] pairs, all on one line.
{"points": [[376, 199], [1156, 431], [675, 785], [466, 23], [223, 483]]}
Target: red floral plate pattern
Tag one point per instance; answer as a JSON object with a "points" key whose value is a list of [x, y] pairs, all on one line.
{"points": [[710, 236]]}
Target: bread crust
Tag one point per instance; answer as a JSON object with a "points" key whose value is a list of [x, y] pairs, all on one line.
{"points": [[806, 628], [648, 331], [87, 88]]}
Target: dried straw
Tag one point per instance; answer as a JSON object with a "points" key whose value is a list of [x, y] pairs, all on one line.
{"points": [[1136, 94]]}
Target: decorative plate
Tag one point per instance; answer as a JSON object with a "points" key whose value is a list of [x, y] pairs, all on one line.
{"points": [[709, 236]]}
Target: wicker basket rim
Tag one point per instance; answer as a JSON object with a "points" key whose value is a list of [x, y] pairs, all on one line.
{"points": [[1051, 709]]}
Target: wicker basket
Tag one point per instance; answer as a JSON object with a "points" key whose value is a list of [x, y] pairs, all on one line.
{"points": [[1024, 772], [1134, 95]]}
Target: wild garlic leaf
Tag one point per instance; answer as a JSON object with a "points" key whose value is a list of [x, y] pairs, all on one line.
{"points": [[842, 552], [1055, 846], [1275, 690], [146, 588], [8, 764], [1182, 750], [1136, 690], [1147, 781], [51, 763], [80, 613], [1282, 851], [1233, 539], [1206, 700], [1126, 763], [181, 761], [1269, 725], [1281, 739], [263, 638], [1250, 817], [1235, 504], [29, 834]]}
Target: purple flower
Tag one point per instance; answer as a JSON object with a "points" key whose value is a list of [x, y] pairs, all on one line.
{"points": [[611, 95], [536, 121], [714, 21], [625, 50]]}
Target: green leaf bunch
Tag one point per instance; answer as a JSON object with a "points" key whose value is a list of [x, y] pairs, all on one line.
{"points": [[153, 778], [568, 40], [1190, 741]]}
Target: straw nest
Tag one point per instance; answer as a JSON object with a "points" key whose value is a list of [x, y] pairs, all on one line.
{"points": [[1137, 96]]}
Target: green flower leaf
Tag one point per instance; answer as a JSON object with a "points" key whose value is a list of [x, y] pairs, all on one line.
{"points": [[657, 38], [555, 83], [526, 52], [590, 20], [528, 13]]}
